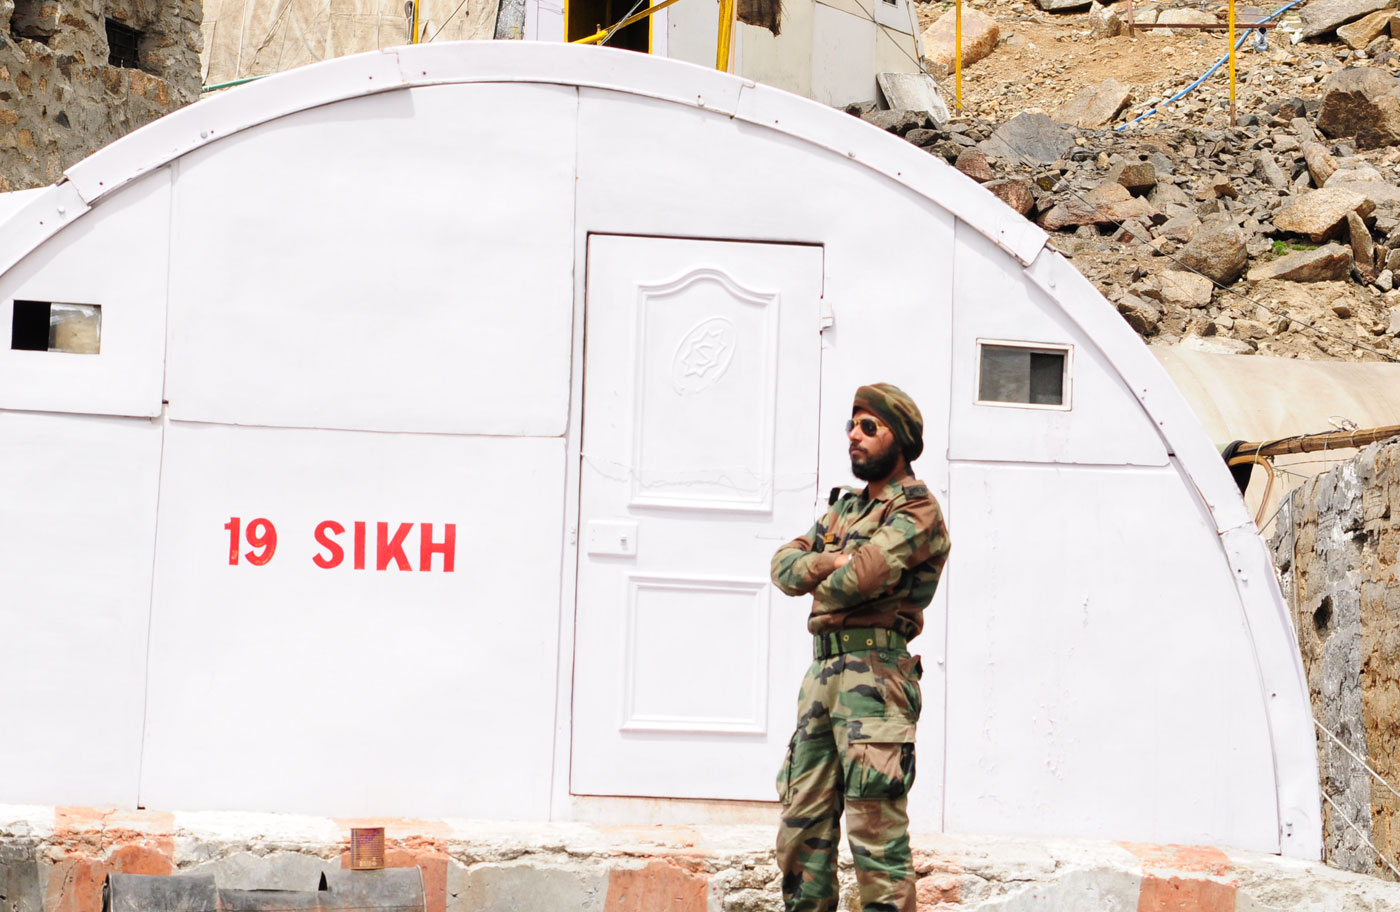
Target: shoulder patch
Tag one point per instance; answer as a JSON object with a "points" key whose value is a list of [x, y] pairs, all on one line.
{"points": [[839, 492], [918, 489]]}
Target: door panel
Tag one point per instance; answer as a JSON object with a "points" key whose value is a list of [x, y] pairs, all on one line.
{"points": [[702, 375]]}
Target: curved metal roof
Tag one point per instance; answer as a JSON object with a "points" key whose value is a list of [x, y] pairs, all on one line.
{"points": [[88, 182]]}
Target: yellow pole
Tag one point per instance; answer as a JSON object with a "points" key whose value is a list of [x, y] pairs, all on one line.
{"points": [[726, 31], [957, 56], [413, 38], [1232, 62]]}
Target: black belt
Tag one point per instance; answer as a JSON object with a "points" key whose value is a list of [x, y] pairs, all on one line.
{"points": [[855, 639]]}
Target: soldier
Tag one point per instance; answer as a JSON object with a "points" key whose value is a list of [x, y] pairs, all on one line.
{"points": [[871, 564]]}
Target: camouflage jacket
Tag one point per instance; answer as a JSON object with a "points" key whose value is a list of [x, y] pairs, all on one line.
{"points": [[898, 544]]}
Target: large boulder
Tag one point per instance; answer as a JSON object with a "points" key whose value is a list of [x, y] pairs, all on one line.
{"points": [[1356, 35], [1142, 314], [973, 163], [1322, 16], [1356, 174], [1095, 106], [1376, 192], [1363, 247], [1104, 22], [1107, 204], [1029, 136], [1014, 192], [1062, 6], [1321, 214], [1267, 168], [1363, 102], [1139, 177], [1321, 164], [1184, 17], [899, 122], [979, 37], [1325, 264], [1184, 289], [1217, 250]]}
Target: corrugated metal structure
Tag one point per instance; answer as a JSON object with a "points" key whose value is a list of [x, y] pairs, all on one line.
{"points": [[455, 475]]}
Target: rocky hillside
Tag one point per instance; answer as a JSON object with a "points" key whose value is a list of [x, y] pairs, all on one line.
{"points": [[1279, 234]]}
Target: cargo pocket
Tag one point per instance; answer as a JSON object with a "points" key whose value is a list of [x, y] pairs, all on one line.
{"points": [[911, 668], [879, 761], [784, 782]]}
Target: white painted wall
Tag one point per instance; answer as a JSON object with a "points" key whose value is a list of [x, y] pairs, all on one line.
{"points": [[299, 687], [404, 343], [77, 522]]}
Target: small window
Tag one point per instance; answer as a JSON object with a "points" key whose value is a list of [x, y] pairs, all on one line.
{"points": [[123, 45], [1023, 374], [46, 326]]}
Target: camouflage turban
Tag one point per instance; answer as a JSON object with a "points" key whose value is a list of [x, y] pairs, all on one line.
{"points": [[896, 409]]}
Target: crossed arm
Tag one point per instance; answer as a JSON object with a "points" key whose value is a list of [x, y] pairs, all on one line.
{"points": [[843, 580]]}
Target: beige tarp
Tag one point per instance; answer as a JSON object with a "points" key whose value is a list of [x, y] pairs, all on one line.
{"points": [[258, 37], [1251, 397]]}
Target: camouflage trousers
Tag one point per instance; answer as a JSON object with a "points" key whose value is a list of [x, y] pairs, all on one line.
{"points": [[854, 750]]}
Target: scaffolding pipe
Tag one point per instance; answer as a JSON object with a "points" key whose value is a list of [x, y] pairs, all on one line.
{"points": [[1317, 443]]}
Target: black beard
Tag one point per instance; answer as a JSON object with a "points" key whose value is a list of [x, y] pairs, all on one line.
{"points": [[876, 468]]}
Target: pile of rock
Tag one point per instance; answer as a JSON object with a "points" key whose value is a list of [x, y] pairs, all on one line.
{"points": [[1224, 233]]}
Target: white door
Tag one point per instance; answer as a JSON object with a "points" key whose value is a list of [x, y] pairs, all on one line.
{"points": [[701, 389]]}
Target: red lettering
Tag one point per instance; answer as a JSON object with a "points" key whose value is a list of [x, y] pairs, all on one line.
{"points": [[392, 547], [262, 535], [335, 553], [360, 546], [427, 547], [234, 527]]}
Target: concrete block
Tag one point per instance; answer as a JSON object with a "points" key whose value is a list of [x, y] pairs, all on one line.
{"points": [[19, 877], [530, 887], [1084, 890]]}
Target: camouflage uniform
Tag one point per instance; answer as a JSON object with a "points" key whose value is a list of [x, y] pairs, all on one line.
{"points": [[860, 699]]}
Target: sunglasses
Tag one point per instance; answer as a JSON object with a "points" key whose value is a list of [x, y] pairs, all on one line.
{"points": [[868, 426]]}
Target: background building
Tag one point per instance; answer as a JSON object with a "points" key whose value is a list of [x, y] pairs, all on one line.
{"points": [[75, 76]]}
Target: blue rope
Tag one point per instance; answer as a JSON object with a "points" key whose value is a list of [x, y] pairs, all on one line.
{"points": [[1208, 73]]}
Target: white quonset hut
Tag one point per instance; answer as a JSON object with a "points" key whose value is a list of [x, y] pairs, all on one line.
{"points": [[428, 418]]}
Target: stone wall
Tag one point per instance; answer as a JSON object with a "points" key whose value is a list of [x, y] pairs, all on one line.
{"points": [[61, 99], [1335, 549], [56, 859]]}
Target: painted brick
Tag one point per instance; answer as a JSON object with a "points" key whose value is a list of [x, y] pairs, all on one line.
{"points": [[1183, 894], [660, 886]]}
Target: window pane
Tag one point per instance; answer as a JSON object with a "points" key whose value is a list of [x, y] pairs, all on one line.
{"points": [[29, 326], [1005, 375], [1047, 379], [1014, 374], [75, 328]]}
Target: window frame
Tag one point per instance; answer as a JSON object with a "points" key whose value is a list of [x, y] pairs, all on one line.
{"points": [[1048, 348]]}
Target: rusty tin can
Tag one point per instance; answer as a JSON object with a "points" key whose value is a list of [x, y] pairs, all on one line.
{"points": [[366, 848]]}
